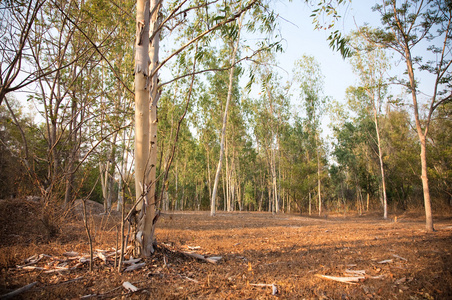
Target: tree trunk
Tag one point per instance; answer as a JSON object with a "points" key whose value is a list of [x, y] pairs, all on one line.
{"points": [[427, 201], [150, 211], [223, 130], [72, 154], [422, 138], [142, 178], [380, 159]]}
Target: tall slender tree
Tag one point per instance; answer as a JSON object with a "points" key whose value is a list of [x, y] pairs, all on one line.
{"points": [[405, 25], [310, 79], [371, 65]]}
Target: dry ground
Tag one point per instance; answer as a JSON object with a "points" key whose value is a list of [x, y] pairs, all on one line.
{"points": [[289, 251]]}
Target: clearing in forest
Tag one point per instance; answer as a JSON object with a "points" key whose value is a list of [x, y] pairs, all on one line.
{"points": [[255, 256]]}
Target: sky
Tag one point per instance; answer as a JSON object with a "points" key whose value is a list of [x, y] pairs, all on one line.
{"points": [[301, 38]]}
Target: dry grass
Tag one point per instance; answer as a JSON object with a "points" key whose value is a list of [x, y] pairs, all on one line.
{"points": [[256, 248]]}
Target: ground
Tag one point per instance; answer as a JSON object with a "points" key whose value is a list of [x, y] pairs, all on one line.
{"points": [[263, 256]]}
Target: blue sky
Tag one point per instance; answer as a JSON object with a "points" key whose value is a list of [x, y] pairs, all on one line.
{"points": [[301, 38]]}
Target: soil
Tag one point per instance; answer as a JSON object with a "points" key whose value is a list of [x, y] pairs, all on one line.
{"points": [[263, 256]]}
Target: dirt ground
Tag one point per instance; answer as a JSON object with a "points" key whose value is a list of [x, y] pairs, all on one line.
{"points": [[263, 256]]}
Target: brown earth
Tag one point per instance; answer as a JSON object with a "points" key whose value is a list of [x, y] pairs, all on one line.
{"points": [[287, 251]]}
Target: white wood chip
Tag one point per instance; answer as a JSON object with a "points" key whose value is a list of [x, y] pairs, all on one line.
{"points": [[130, 287]]}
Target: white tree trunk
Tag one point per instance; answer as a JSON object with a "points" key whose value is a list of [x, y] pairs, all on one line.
{"points": [[223, 130], [148, 220], [142, 178], [382, 170]]}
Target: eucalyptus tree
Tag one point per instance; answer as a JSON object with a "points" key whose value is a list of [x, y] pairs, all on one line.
{"points": [[308, 75], [407, 25], [270, 112], [235, 46], [371, 65], [150, 21]]}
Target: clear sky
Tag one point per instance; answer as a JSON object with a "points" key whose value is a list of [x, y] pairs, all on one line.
{"points": [[301, 38]]}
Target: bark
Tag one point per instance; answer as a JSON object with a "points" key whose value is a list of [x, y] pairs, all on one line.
{"points": [[70, 175], [382, 170], [111, 171], [141, 123], [422, 138], [103, 181], [147, 224], [319, 183]]}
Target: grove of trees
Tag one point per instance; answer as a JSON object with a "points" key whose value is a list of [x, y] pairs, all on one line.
{"points": [[180, 105]]}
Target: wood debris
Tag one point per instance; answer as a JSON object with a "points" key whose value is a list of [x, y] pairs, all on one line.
{"points": [[131, 261], [348, 279], [188, 278], [130, 287], [134, 267], [102, 256], [355, 272], [72, 260], [273, 286], [194, 247], [18, 291], [386, 261], [212, 259], [399, 257]]}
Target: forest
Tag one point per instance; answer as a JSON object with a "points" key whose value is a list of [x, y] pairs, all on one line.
{"points": [[149, 108], [68, 127]]}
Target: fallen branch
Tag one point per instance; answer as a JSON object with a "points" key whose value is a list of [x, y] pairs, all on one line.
{"points": [[134, 267], [30, 268], [58, 269], [34, 259], [18, 291], [399, 257], [131, 261], [212, 259], [102, 256], [349, 280], [386, 261]]}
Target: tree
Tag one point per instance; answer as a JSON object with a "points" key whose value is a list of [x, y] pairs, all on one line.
{"points": [[147, 86], [371, 65], [310, 79], [405, 26], [233, 58]]}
